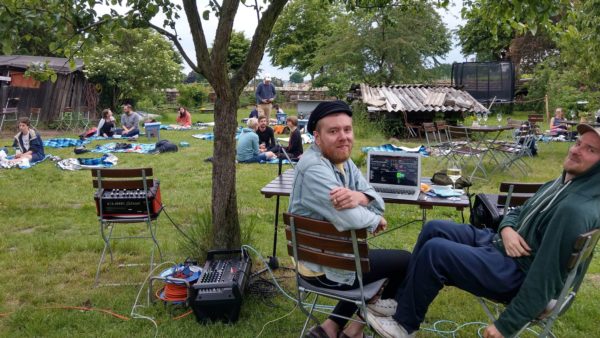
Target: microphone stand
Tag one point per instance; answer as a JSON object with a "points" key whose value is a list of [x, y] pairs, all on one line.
{"points": [[273, 262]]}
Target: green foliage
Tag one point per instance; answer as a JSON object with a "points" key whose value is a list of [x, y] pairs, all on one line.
{"points": [[41, 72], [238, 48], [193, 94], [297, 77], [131, 64]]}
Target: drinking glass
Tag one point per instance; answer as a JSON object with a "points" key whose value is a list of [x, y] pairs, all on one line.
{"points": [[499, 118], [572, 114], [485, 118], [478, 116], [453, 172]]}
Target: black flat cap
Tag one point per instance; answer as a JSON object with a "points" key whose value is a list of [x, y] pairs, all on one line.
{"points": [[324, 109]]}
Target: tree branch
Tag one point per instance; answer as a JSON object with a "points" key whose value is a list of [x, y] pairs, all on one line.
{"points": [[201, 48], [223, 37], [175, 39]]}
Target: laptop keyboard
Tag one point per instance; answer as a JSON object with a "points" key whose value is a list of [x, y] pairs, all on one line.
{"points": [[396, 191]]}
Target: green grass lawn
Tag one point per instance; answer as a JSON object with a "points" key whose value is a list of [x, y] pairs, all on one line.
{"points": [[50, 245]]}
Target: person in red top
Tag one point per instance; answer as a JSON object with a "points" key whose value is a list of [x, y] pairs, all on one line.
{"points": [[184, 118]]}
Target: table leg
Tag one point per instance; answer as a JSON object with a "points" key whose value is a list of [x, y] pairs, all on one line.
{"points": [[275, 228]]}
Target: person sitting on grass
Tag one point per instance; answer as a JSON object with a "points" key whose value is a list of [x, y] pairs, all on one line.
{"points": [[248, 150], [106, 125], [28, 142], [266, 136], [130, 121], [184, 118], [294, 148]]}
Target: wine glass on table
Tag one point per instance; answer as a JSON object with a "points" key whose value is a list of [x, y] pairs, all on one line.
{"points": [[454, 172], [485, 118], [499, 118], [572, 114], [478, 116]]}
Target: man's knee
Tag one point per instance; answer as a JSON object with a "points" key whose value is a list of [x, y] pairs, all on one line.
{"points": [[433, 227]]}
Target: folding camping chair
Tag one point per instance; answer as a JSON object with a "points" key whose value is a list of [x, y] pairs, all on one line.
{"points": [[576, 267], [65, 119], [315, 241], [10, 114], [126, 181], [464, 150]]}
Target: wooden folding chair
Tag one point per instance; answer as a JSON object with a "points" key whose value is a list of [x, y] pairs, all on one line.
{"points": [[576, 268], [319, 242], [139, 182]]}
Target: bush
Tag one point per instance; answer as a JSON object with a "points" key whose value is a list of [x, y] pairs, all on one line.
{"points": [[193, 95]]}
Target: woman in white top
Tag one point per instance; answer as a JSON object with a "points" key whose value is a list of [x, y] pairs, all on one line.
{"points": [[106, 125]]}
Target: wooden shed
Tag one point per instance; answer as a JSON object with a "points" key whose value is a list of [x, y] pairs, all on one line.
{"points": [[71, 89]]}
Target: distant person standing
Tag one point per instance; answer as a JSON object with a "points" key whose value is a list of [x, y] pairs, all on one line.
{"points": [[130, 121], [265, 95]]}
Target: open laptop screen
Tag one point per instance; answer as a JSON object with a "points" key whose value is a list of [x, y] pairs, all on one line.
{"points": [[394, 169]]}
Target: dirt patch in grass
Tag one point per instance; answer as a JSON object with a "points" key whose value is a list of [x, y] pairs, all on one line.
{"points": [[594, 279]]}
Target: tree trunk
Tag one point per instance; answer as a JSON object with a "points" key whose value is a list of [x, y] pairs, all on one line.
{"points": [[225, 221]]}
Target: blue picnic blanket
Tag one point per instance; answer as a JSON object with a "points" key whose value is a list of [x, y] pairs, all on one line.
{"points": [[392, 148], [64, 142], [106, 161], [140, 148]]}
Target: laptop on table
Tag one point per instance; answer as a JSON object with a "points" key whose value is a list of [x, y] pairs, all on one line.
{"points": [[395, 175]]}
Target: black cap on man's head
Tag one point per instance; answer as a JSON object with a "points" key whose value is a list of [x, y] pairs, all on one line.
{"points": [[324, 109]]}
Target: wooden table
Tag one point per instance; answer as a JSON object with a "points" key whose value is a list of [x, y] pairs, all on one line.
{"points": [[282, 186]]}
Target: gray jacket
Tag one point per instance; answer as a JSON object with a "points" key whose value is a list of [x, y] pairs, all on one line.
{"points": [[315, 176]]}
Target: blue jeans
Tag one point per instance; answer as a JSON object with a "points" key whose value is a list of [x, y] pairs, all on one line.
{"points": [[454, 254], [258, 158], [133, 132]]}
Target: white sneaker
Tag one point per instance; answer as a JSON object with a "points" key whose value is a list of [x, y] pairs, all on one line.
{"points": [[383, 307], [387, 327]]}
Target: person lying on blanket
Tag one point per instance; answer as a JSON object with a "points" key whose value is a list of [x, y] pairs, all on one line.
{"points": [[28, 143]]}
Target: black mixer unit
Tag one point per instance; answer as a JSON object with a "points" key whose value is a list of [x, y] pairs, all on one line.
{"points": [[217, 296], [128, 202]]}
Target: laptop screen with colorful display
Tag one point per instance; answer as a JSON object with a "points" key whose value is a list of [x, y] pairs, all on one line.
{"points": [[395, 175]]}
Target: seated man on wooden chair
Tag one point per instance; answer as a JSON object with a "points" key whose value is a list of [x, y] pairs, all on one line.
{"points": [[329, 186], [523, 265]]}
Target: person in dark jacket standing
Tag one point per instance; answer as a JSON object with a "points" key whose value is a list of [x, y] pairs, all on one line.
{"points": [[265, 95], [28, 142], [524, 264]]}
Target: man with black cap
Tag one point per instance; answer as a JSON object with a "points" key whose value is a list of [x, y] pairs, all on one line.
{"points": [[524, 264], [328, 186]]}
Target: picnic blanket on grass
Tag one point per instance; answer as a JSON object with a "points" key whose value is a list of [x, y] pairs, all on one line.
{"points": [[106, 161], [140, 148], [64, 142], [5, 162], [392, 148]]}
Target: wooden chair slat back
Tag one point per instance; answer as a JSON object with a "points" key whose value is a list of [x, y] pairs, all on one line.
{"points": [[321, 243], [122, 173], [520, 194], [123, 184], [593, 237]]}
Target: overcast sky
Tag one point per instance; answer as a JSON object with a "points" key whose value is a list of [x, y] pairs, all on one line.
{"points": [[246, 21]]}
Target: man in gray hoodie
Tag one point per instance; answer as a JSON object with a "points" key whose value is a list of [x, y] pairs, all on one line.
{"points": [[524, 264]]}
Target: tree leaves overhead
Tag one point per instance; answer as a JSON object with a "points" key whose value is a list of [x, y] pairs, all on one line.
{"points": [[374, 44]]}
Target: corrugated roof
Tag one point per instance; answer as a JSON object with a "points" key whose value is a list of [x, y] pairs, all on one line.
{"points": [[418, 98], [60, 65]]}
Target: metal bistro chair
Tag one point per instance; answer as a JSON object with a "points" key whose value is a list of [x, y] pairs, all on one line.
{"points": [[319, 242], [576, 267], [34, 116], [464, 150], [65, 119], [107, 180]]}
